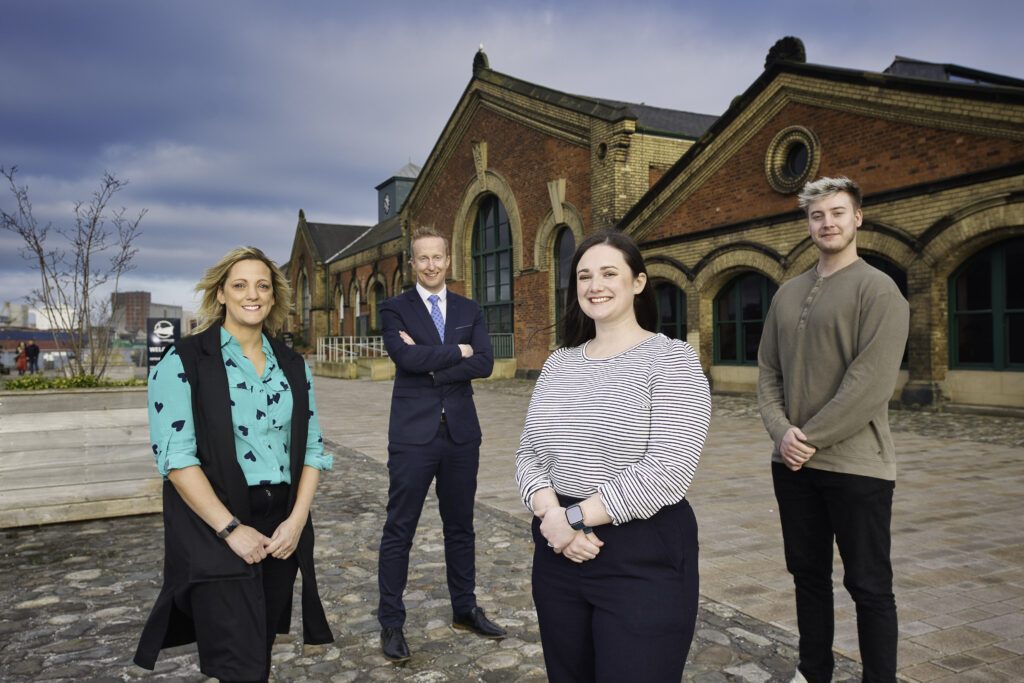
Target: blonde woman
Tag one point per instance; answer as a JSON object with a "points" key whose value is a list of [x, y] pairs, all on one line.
{"points": [[235, 434]]}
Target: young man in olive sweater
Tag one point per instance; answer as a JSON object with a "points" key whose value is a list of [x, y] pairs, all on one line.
{"points": [[829, 358]]}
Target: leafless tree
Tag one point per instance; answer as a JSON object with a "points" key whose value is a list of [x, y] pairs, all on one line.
{"points": [[94, 252]]}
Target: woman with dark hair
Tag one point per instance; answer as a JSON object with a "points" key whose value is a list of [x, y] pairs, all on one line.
{"points": [[233, 424], [611, 442]]}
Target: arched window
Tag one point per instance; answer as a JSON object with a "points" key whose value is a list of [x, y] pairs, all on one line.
{"points": [[378, 295], [898, 275], [565, 247], [304, 302], [492, 265], [739, 312], [671, 310], [986, 310], [339, 296]]}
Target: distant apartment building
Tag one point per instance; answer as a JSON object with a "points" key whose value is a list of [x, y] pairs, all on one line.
{"points": [[131, 309]]}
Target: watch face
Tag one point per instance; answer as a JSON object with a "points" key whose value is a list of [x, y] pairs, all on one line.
{"points": [[574, 515]]}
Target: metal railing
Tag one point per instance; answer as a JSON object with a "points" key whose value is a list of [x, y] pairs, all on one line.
{"points": [[503, 344], [347, 349]]}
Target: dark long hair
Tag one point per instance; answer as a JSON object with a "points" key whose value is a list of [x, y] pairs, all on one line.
{"points": [[576, 326]]}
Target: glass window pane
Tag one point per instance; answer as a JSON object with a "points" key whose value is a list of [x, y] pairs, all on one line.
{"points": [[750, 296], [727, 342], [751, 340], [1015, 275], [666, 303], [974, 286], [974, 337], [564, 253], [1015, 338], [725, 305]]}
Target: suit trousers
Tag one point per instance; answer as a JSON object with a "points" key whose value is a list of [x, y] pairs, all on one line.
{"points": [[628, 614], [411, 469], [235, 635], [816, 506]]}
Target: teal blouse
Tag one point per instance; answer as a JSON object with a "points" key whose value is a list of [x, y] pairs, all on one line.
{"points": [[261, 410]]}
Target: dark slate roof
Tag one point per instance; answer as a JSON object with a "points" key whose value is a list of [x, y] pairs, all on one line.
{"points": [[385, 231], [329, 238], [653, 119], [658, 120], [916, 68]]}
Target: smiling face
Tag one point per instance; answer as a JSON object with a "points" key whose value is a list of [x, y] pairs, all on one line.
{"points": [[430, 260], [832, 223], [247, 295], [605, 285]]}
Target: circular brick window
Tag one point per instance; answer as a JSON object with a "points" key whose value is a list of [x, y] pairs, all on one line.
{"points": [[792, 159]]}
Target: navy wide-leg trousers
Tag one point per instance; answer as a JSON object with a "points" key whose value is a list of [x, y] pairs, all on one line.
{"points": [[628, 614]]}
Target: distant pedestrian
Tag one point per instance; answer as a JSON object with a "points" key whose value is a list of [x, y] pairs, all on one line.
{"points": [[235, 433], [829, 357], [32, 353], [20, 359], [611, 442]]}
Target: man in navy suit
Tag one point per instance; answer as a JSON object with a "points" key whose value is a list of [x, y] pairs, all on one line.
{"points": [[438, 341]]}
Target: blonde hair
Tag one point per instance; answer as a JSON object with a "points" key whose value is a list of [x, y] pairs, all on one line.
{"points": [[211, 311], [423, 233], [825, 187]]}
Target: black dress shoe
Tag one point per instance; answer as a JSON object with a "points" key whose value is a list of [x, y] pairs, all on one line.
{"points": [[392, 644], [477, 622]]}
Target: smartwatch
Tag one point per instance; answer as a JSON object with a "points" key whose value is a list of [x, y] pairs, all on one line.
{"points": [[226, 531], [574, 515]]}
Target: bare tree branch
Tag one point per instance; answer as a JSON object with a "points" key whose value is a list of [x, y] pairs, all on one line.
{"points": [[99, 249]]}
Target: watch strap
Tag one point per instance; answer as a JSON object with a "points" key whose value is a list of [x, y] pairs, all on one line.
{"points": [[226, 531]]}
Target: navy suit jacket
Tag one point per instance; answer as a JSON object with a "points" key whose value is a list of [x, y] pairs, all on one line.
{"points": [[419, 397]]}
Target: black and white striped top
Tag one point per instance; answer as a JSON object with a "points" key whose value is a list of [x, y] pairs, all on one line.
{"points": [[630, 427]]}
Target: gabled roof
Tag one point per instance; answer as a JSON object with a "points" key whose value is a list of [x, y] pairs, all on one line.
{"points": [[654, 120], [329, 238], [385, 231], [1007, 90]]}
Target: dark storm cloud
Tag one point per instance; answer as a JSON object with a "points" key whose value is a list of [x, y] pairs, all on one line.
{"points": [[228, 117]]}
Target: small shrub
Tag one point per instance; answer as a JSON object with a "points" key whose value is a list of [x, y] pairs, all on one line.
{"points": [[38, 382]]}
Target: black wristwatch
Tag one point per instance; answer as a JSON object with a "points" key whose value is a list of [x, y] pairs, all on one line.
{"points": [[574, 515], [226, 531]]}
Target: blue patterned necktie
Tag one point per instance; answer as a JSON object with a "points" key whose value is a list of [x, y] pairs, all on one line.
{"points": [[435, 315]]}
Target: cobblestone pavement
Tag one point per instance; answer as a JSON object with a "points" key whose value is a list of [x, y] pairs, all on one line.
{"points": [[78, 594]]}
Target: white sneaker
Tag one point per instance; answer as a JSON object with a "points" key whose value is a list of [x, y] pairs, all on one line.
{"points": [[798, 677]]}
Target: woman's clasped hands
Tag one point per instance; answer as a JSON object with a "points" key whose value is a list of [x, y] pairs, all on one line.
{"points": [[574, 544]]}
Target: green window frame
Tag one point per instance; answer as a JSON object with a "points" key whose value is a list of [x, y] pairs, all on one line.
{"points": [[492, 265], [739, 312], [986, 310]]}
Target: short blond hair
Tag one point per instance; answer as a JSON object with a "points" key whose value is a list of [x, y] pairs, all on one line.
{"points": [[825, 187], [425, 232], [211, 311]]}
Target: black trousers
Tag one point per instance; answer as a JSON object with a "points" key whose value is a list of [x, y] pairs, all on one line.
{"points": [[628, 614], [234, 633], [411, 469], [816, 506]]}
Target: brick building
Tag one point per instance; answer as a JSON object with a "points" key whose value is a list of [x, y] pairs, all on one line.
{"points": [[521, 173]]}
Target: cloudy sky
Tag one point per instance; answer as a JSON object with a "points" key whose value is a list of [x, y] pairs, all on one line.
{"points": [[228, 116]]}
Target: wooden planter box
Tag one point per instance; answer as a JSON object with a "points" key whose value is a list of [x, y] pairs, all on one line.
{"points": [[75, 454]]}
